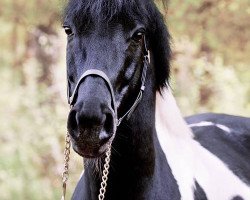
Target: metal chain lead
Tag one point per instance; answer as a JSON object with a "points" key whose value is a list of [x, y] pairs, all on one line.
{"points": [[105, 173], [65, 174]]}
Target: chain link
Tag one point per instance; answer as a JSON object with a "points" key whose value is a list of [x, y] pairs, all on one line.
{"points": [[105, 174], [65, 174]]}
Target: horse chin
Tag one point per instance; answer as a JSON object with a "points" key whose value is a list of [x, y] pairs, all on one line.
{"points": [[86, 150]]}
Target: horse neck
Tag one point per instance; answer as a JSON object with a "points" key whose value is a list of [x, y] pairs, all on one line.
{"points": [[134, 138], [137, 159], [132, 157]]}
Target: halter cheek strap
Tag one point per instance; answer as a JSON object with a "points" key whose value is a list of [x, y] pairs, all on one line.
{"points": [[142, 88]]}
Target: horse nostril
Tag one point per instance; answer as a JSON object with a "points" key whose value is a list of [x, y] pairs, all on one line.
{"points": [[73, 124], [107, 130], [108, 125], [86, 123]]}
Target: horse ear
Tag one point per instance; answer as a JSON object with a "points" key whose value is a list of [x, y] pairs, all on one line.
{"points": [[161, 51]]}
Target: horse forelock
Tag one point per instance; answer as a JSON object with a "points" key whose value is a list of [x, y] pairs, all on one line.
{"points": [[104, 10], [81, 14]]}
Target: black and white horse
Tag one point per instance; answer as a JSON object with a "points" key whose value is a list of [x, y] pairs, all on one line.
{"points": [[155, 154]]}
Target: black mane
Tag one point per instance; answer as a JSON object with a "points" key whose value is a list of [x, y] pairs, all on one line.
{"points": [[80, 13]]}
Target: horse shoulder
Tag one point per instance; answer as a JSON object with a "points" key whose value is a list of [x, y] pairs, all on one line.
{"points": [[227, 137]]}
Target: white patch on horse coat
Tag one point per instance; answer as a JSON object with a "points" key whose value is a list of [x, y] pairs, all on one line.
{"points": [[174, 137], [188, 160], [205, 123]]}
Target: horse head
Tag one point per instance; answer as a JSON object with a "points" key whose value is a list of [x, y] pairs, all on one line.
{"points": [[111, 38]]}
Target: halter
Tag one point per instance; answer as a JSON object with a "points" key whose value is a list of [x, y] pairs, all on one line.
{"points": [[71, 101], [99, 73]]}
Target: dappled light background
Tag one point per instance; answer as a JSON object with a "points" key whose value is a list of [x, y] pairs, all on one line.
{"points": [[210, 73]]}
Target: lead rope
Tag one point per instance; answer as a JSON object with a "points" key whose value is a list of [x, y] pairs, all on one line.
{"points": [[105, 174], [65, 174]]}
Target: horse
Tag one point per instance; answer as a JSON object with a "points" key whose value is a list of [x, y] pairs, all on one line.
{"points": [[118, 70]]}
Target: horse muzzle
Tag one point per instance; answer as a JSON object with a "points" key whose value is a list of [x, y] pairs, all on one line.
{"points": [[92, 119], [91, 126]]}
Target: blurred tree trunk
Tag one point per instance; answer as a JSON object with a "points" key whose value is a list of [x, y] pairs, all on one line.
{"points": [[15, 41]]}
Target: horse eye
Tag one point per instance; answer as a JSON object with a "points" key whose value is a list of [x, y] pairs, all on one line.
{"points": [[138, 36], [68, 30]]}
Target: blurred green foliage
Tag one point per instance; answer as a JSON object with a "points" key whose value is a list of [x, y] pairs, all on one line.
{"points": [[210, 72], [211, 41]]}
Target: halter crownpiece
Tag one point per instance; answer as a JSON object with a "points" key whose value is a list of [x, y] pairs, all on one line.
{"points": [[71, 100]]}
